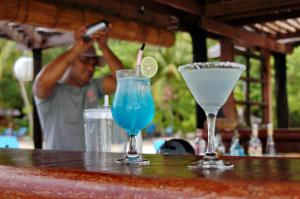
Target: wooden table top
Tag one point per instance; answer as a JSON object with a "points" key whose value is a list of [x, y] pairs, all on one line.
{"points": [[59, 174]]}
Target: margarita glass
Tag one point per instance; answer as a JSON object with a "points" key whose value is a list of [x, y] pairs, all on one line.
{"points": [[210, 84], [132, 109]]}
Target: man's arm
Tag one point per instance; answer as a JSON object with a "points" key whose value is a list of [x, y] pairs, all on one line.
{"points": [[49, 76], [109, 82]]}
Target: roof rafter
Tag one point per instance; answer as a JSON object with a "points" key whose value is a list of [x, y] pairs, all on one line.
{"points": [[288, 35], [243, 36]]}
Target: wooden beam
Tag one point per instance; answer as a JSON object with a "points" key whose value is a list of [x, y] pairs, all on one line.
{"points": [[189, 6], [153, 6], [44, 14], [242, 36], [237, 8], [63, 39], [288, 35], [240, 12], [10, 32], [35, 38], [248, 53], [138, 10], [30, 37], [282, 108]]}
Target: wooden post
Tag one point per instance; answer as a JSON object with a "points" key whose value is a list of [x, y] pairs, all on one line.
{"points": [[282, 109], [267, 87], [226, 50], [247, 96], [37, 130], [229, 108], [199, 55]]}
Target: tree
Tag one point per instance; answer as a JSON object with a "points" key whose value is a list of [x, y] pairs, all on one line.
{"points": [[293, 83], [9, 90], [174, 102], [10, 93]]}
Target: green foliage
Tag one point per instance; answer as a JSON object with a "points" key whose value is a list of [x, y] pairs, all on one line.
{"points": [[293, 85], [10, 96], [10, 93], [19, 123], [126, 51], [52, 53], [175, 105], [7, 55]]}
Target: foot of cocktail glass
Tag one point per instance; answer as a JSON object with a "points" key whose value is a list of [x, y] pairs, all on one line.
{"points": [[211, 160], [132, 157]]}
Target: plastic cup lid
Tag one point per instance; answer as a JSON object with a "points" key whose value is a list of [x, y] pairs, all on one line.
{"points": [[97, 113]]}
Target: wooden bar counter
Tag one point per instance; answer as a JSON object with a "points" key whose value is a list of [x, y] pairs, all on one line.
{"points": [[57, 174]]}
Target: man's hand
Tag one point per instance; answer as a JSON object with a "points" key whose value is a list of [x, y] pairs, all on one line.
{"points": [[80, 45], [101, 38]]}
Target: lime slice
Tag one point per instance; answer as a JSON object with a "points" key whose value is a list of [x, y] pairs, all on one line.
{"points": [[149, 66]]}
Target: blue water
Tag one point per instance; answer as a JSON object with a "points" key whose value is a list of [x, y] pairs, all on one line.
{"points": [[133, 106]]}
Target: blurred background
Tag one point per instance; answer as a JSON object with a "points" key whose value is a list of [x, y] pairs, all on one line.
{"points": [[175, 107]]}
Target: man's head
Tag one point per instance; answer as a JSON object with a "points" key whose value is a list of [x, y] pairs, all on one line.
{"points": [[83, 67]]}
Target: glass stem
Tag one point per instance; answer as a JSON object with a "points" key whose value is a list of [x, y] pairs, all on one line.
{"points": [[132, 146], [211, 122]]}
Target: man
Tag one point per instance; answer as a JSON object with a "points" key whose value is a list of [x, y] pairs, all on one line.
{"points": [[64, 88]]}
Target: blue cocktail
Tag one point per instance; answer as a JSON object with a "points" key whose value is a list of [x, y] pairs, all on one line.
{"points": [[132, 109]]}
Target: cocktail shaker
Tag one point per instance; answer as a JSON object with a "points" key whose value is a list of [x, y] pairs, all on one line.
{"points": [[102, 134]]}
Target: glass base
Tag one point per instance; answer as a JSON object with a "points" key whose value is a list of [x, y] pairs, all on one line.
{"points": [[211, 161], [132, 160]]}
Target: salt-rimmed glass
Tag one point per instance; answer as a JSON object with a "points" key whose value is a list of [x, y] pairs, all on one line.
{"points": [[210, 84]]}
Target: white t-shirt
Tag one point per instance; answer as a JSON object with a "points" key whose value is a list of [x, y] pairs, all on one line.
{"points": [[61, 115]]}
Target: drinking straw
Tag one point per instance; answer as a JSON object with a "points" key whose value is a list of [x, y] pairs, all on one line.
{"points": [[139, 57]]}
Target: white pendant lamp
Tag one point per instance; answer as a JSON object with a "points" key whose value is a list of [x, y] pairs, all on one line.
{"points": [[23, 69]]}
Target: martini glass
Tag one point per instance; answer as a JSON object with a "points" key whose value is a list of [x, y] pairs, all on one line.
{"points": [[210, 84], [132, 109]]}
